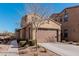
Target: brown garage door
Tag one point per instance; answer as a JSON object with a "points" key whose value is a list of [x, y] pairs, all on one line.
{"points": [[46, 35]]}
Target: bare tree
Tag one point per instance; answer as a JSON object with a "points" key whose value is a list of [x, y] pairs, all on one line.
{"points": [[42, 12]]}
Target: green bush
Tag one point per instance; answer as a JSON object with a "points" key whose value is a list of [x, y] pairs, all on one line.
{"points": [[22, 39], [31, 42], [22, 43]]}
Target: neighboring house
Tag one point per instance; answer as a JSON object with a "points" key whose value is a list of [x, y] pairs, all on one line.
{"points": [[48, 31], [69, 18], [5, 37]]}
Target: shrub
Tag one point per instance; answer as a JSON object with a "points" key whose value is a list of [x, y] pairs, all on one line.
{"points": [[31, 42], [22, 43]]}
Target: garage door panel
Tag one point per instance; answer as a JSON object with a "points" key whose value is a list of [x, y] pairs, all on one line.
{"points": [[46, 36]]}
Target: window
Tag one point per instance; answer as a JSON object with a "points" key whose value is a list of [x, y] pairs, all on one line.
{"points": [[65, 17], [65, 33]]}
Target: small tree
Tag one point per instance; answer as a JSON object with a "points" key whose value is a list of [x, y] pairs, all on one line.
{"points": [[42, 12]]}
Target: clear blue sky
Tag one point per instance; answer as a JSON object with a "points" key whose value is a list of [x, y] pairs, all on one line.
{"points": [[10, 13]]}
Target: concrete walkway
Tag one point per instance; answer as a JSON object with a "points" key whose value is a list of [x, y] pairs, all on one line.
{"points": [[10, 50], [62, 48], [13, 49]]}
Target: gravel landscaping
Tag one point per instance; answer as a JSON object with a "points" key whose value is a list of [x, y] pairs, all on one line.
{"points": [[31, 51]]}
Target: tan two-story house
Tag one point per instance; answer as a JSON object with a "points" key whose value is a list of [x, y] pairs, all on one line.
{"points": [[48, 31]]}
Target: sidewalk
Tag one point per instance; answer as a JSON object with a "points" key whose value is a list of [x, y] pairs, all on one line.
{"points": [[9, 50], [62, 48], [13, 49]]}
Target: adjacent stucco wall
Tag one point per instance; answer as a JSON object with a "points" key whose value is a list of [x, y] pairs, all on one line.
{"points": [[72, 24], [17, 33], [21, 34]]}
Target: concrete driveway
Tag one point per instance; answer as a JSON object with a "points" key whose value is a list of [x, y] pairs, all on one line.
{"points": [[63, 49]]}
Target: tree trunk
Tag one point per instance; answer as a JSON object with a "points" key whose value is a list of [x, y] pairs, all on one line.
{"points": [[36, 40]]}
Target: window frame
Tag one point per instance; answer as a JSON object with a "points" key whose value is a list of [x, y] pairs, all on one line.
{"points": [[65, 33], [66, 16]]}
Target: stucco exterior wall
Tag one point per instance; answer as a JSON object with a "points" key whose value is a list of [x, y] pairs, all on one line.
{"points": [[17, 34], [72, 24], [28, 30], [49, 25]]}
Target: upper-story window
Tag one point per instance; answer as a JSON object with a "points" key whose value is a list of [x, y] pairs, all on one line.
{"points": [[66, 17]]}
